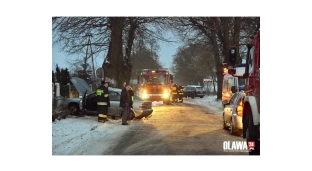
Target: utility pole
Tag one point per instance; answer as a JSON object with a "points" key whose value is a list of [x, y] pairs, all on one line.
{"points": [[89, 44], [85, 63], [92, 57]]}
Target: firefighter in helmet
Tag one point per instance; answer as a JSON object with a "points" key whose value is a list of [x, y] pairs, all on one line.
{"points": [[174, 92], [102, 98], [180, 87], [181, 94]]}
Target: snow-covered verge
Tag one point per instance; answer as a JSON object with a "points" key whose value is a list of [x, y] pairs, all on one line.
{"points": [[212, 102], [207, 101], [72, 135]]}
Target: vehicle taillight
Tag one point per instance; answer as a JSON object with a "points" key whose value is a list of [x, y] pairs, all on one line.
{"points": [[142, 106], [239, 109]]}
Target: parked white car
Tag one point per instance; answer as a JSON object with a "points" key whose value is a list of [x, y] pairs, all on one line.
{"points": [[233, 113]]}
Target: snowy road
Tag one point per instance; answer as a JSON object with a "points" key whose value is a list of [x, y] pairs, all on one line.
{"points": [[190, 128]]}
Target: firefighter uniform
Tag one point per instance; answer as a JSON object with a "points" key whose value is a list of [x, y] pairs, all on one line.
{"points": [[174, 92], [181, 94], [102, 98]]}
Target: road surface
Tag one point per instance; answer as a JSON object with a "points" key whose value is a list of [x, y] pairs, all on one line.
{"points": [[179, 129], [188, 128]]}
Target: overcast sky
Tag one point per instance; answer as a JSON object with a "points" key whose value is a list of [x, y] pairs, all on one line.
{"points": [[166, 52]]}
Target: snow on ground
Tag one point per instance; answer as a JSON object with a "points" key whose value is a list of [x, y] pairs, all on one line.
{"points": [[72, 135], [212, 102], [207, 101]]}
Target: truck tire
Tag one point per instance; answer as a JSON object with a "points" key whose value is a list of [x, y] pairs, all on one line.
{"points": [[252, 135], [168, 101]]}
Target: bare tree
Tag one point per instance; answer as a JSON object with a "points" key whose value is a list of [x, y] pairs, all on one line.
{"points": [[112, 34], [219, 32], [72, 33], [118, 34], [115, 53], [143, 58]]}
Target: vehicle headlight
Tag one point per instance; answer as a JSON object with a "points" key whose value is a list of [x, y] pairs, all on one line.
{"points": [[166, 95]]}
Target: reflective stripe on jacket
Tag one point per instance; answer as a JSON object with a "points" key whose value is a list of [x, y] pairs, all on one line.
{"points": [[99, 92], [101, 103]]}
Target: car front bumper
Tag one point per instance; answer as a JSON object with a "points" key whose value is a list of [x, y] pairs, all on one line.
{"points": [[143, 113], [156, 98]]}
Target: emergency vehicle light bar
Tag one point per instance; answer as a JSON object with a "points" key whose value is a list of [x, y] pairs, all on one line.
{"points": [[146, 70], [165, 70]]}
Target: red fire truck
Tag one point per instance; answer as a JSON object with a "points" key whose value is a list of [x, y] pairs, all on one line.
{"points": [[232, 83], [251, 105], [155, 85]]}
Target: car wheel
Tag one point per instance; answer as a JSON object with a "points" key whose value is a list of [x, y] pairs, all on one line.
{"points": [[224, 124], [232, 128], [73, 109], [251, 135], [193, 96], [131, 115]]}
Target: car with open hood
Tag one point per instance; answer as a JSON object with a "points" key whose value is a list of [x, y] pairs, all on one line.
{"points": [[87, 101]]}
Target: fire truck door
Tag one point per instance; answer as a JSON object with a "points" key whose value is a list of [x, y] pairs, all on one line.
{"points": [[236, 84]]}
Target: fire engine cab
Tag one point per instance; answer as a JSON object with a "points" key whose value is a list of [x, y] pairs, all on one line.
{"points": [[251, 105], [232, 83], [155, 85]]}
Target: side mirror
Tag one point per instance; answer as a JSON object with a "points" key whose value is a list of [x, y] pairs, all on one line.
{"points": [[234, 89]]}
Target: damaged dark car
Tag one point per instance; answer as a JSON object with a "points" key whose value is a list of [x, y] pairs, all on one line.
{"points": [[87, 104]]}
